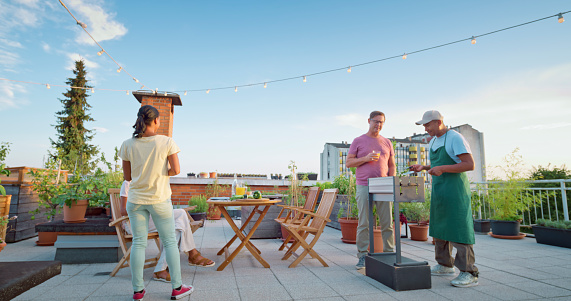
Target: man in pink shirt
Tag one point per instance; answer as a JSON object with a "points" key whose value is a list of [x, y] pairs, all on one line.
{"points": [[374, 157]]}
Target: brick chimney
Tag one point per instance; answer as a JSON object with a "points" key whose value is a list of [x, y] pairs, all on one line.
{"points": [[164, 102]]}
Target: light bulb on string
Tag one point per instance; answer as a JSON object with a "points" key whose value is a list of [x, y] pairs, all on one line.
{"points": [[119, 69], [92, 90], [184, 93], [48, 86], [473, 40], [207, 91], [165, 93], [236, 89], [349, 69], [100, 52], [156, 90], [560, 18], [142, 87], [404, 56], [304, 79], [136, 80], [127, 92], [80, 23], [265, 85]]}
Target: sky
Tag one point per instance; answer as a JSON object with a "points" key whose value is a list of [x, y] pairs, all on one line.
{"points": [[514, 85]]}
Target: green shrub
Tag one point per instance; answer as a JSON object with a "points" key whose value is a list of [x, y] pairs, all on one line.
{"points": [[200, 202], [554, 224]]}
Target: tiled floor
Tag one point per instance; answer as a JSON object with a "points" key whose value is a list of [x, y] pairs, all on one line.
{"points": [[509, 270]]}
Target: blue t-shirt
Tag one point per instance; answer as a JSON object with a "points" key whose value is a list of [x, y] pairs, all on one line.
{"points": [[456, 144]]}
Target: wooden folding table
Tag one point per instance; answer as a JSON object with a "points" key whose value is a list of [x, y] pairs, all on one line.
{"points": [[239, 231]]}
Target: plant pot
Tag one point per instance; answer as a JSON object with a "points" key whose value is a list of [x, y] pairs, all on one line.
{"points": [[552, 236], [418, 232], [199, 216], [348, 229], [212, 175], [2, 245], [94, 211], [312, 177], [213, 213], [75, 214], [46, 238], [204, 175], [191, 175], [482, 226], [505, 228], [378, 236]]}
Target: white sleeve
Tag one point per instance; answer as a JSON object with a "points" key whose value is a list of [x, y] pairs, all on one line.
{"points": [[125, 188]]}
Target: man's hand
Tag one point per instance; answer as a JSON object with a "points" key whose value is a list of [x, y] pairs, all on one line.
{"points": [[436, 171], [417, 167]]}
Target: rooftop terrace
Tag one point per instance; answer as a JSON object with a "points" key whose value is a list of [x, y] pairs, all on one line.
{"points": [[509, 270]]}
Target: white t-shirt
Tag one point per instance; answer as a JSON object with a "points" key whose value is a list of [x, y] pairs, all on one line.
{"points": [[456, 144], [149, 168]]}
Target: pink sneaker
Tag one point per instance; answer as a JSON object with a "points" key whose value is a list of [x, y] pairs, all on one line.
{"points": [[139, 296], [184, 291]]}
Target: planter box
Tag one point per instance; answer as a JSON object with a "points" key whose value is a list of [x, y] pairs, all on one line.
{"points": [[552, 236], [482, 226], [268, 228], [505, 228], [341, 199]]}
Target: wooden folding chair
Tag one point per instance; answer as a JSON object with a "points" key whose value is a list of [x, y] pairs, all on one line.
{"points": [[194, 225], [294, 216], [312, 223], [125, 238]]}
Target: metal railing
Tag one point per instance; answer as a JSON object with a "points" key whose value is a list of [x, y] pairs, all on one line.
{"points": [[548, 202]]}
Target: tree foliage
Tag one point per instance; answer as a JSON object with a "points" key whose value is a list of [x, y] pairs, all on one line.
{"points": [[72, 144]]}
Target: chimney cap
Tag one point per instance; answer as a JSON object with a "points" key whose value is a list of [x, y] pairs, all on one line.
{"points": [[175, 97]]}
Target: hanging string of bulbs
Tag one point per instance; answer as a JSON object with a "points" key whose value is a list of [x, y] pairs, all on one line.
{"points": [[404, 56]]}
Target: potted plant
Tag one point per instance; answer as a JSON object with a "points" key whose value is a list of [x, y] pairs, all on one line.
{"points": [[509, 199], [348, 214], [419, 212], [198, 213], [215, 190], [75, 198], [4, 199], [555, 233], [203, 175], [481, 226], [3, 227]]}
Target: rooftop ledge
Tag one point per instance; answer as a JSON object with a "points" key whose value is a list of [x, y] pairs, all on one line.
{"points": [[250, 182]]}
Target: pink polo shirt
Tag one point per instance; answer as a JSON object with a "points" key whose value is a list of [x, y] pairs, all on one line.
{"points": [[361, 147]]}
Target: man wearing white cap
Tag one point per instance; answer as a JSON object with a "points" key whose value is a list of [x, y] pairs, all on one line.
{"points": [[373, 156], [450, 210]]}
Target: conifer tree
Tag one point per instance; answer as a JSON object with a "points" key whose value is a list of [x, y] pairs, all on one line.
{"points": [[72, 145]]}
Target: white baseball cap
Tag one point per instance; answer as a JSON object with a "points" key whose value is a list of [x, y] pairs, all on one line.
{"points": [[429, 116]]}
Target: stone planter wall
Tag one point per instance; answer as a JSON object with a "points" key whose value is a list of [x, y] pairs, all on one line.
{"points": [[341, 199]]}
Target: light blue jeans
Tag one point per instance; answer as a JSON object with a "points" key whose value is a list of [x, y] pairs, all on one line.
{"points": [[162, 214]]}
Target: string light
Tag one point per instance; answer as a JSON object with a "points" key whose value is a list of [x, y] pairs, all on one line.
{"points": [[304, 79], [404, 56], [560, 18], [119, 69], [349, 69], [92, 90], [100, 52], [236, 89], [136, 80], [473, 40], [48, 86], [127, 92], [184, 93], [207, 91], [265, 85], [165, 93]]}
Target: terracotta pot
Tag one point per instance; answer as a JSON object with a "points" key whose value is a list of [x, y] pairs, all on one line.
{"points": [[46, 238], [213, 174], [348, 229], [418, 232], [2, 245], [204, 175], [378, 236], [213, 213], [75, 214]]}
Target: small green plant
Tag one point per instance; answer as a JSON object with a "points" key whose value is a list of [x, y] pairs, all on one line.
{"points": [[200, 202], [4, 150], [47, 185], [347, 186], [324, 185], [416, 211], [79, 188], [565, 225], [294, 195]]}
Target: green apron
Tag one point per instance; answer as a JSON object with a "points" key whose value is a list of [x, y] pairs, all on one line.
{"points": [[450, 210]]}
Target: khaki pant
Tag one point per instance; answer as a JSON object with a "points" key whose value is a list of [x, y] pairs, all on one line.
{"points": [[384, 210], [464, 260]]}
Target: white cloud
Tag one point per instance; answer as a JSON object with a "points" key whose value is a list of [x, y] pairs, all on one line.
{"points": [[100, 24], [46, 47], [100, 129], [9, 43], [352, 119], [73, 57], [8, 92]]}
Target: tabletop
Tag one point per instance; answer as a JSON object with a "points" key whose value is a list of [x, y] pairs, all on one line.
{"points": [[243, 202]]}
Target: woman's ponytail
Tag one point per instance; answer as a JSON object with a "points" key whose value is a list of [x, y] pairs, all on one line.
{"points": [[145, 116]]}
